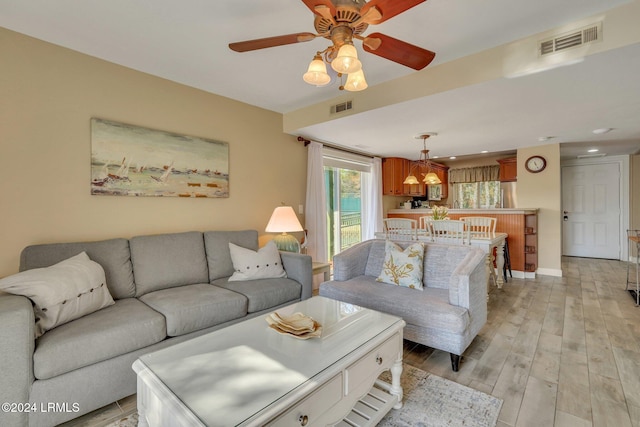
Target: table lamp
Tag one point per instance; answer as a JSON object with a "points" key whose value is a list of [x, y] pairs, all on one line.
{"points": [[284, 220]]}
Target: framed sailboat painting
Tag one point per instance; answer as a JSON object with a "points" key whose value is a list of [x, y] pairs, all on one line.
{"points": [[128, 160]]}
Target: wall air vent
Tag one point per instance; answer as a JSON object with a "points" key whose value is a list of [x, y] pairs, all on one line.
{"points": [[589, 34], [343, 106]]}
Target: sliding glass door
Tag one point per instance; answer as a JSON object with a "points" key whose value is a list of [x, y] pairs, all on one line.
{"points": [[344, 208]]}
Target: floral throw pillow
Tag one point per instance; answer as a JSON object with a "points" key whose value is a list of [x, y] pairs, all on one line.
{"points": [[403, 267]]}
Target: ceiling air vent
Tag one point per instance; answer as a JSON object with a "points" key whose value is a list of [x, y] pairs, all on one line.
{"points": [[343, 106], [589, 34]]}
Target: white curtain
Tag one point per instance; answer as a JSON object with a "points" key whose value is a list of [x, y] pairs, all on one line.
{"points": [[316, 205], [372, 200]]}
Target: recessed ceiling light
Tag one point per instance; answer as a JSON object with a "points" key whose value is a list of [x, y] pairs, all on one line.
{"points": [[593, 150], [452, 158], [602, 130], [544, 138], [484, 151], [435, 157]]}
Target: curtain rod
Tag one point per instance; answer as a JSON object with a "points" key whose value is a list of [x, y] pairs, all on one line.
{"points": [[335, 147]]}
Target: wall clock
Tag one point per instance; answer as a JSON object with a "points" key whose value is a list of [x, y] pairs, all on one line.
{"points": [[535, 164]]}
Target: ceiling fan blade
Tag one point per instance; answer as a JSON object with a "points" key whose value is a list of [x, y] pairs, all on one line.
{"points": [[256, 44], [387, 9], [324, 8], [398, 51]]}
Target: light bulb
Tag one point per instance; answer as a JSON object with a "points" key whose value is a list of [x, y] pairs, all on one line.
{"points": [[347, 60]]}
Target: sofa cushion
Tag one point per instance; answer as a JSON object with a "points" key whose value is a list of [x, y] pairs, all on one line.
{"points": [[193, 307], [167, 260], [265, 263], [264, 293], [126, 326], [429, 308], [217, 246], [403, 267], [62, 292], [113, 255]]}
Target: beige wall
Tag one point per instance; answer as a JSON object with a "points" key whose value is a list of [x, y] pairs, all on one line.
{"points": [[543, 190], [48, 95]]}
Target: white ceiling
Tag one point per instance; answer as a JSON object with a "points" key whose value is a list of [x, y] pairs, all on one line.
{"points": [[187, 42]]}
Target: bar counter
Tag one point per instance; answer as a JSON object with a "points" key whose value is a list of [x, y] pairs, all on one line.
{"points": [[521, 225]]}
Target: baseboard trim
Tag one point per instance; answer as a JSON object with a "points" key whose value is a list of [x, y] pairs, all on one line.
{"points": [[550, 272]]}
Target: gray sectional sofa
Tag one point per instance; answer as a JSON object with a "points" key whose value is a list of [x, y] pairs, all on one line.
{"points": [[167, 288], [447, 314]]}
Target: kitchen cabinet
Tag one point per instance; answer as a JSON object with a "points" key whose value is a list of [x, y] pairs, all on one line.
{"points": [[394, 171], [508, 169]]}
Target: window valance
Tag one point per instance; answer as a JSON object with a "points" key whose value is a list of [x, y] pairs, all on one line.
{"points": [[475, 174]]}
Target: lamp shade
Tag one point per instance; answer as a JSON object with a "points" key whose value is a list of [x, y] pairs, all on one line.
{"points": [[411, 179], [347, 60], [283, 219], [356, 81], [317, 73], [432, 178]]}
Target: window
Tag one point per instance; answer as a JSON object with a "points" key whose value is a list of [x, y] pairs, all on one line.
{"points": [[474, 195]]}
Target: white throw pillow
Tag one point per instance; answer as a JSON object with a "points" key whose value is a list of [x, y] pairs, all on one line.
{"points": [[62, 292], [252, 265], [403, 267]]}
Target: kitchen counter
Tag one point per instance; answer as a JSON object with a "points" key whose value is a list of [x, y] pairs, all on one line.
{"points": [[520, 224], [496, 211]]}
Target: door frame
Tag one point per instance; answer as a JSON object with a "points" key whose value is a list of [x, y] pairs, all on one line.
{"points": [[623, 162]]}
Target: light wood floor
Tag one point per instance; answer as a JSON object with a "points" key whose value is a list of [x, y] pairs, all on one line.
{"points": [[559, 351]]}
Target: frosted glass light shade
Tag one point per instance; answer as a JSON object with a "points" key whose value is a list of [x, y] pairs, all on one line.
{"points": [[432, 178], [411, 179], [347, 60], [356, 81], [283, 219], [317, 73]]}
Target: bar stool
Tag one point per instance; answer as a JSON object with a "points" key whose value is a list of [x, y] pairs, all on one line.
{"points": [[507, 261], [633, 237]]}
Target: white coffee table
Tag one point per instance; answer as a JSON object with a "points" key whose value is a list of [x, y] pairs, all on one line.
{"points": [[248, 374]]}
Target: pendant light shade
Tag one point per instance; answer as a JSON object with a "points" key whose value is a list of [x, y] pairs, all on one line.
{"points": [[347, 60], [317, 72], [411, 180], [431, 178], [355, 81]]}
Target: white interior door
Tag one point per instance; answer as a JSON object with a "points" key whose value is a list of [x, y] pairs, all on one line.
{"points": [[591, 210]]}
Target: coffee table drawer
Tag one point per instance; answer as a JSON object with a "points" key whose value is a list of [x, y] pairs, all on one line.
{"points": [[313, 410], [380, 358]]}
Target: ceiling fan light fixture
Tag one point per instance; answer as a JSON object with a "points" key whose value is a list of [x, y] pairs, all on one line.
{"points": [[347, 61], [317, 72], [356, 81]]}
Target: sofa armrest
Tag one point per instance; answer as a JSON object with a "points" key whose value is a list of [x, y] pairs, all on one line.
{"points": [[17, 343], [468, 288], [352, 262], [298, 268]]}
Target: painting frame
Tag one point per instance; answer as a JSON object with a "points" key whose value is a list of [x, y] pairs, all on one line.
{"points": [[131, 160], [435, 191]]}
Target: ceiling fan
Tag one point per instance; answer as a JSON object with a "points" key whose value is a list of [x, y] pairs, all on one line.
{"points": [[341, 21]]}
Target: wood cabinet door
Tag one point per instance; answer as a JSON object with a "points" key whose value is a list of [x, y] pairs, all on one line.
{"points": [[508, 169], [393, 169]]}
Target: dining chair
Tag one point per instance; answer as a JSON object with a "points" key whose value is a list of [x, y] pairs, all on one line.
{"points": [[483, 226], [480, 225], [448, 231], [400, 228], [423, 223]]}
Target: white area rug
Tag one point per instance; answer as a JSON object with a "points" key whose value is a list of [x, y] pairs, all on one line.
{"points": [[429, 401], [432, 401]]}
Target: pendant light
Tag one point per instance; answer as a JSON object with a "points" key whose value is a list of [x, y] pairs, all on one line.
{"points": [[430, 178]]}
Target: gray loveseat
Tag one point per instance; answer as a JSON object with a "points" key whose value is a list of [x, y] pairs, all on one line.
{"points": [[447, 314], [167, 288]]}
